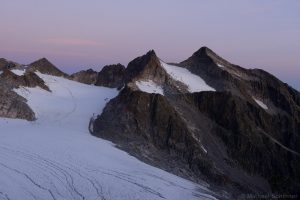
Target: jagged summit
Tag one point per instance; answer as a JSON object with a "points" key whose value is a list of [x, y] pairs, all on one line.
{"points": [[202, 51], [143, 67], [45, 66], [207, 57]]}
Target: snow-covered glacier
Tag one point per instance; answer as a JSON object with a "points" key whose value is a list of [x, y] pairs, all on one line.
{"points": [[55, 157]]}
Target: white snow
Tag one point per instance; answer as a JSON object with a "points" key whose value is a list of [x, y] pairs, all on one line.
{"points": [[149, 86], [55, 157], [261, 104], [19, 72], [202, 147], [219, 65], [192, 81]]}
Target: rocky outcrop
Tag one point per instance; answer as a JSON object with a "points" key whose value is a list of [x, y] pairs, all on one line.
{"points": [[145, 67], [225, 137], [111, 76], [14, 106], [29, 79], [5, 64], [85, 76], [46, 67]]}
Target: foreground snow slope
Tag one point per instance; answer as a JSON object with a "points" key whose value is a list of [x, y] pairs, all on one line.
{"points": [[55, 157]]}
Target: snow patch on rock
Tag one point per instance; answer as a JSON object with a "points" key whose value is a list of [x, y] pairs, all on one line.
{"points": [[192, 81], [261, 104], [221, 66], [150, 87], [19, 72]]}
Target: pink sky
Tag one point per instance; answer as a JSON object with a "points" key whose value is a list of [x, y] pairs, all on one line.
{"points": [[76, 35]]}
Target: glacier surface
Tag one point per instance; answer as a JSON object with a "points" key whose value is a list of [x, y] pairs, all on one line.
{"points": [[55, 157]]}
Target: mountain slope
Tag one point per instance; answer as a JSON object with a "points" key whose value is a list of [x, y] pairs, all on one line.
{"points": [[238, 129], [55, 157], [229, 129]]}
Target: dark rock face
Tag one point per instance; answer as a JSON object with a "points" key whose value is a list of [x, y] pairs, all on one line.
{"points": [[111, 76], [223, 137], [249, 134], [142, 123], [46, 67], [85, 76], [145, 67]]}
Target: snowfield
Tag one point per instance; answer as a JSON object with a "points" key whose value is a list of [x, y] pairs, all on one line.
{"points": [[18, 72], [55, 157], [193, 82], [150, 87]]}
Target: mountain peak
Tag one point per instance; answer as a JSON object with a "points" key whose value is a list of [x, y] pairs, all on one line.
{"points": [[142, 65], [151, 53], [206, 57], [42, 61], [202, 49], [45, 66], [205, 52]]}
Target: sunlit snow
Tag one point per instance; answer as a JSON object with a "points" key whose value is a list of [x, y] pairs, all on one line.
{"points": [[260, 103], [19, 72], [192, 81], [55, 157], [219, 65], [149, 87]]}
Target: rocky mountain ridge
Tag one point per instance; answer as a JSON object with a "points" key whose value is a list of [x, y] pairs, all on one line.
{"points": [[232, 136], [204, 119]]}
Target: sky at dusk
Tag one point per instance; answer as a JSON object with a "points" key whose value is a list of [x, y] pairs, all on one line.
{"points": [[78, 34]]}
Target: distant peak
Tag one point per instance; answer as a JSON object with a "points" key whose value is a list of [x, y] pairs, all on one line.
{"points": [[205, 54], [45, 59], [41, 60], [44, 66], [145, 64], [204, 51], [150, 55]]}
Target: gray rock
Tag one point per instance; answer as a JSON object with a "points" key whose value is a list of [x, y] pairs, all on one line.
{"points": [[111, 76], [85, 76]]}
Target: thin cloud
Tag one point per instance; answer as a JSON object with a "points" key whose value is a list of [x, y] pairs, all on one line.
{"points": [[71, 42]]}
